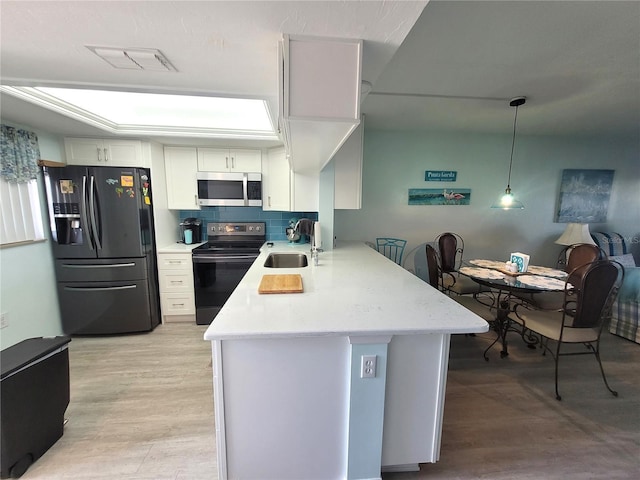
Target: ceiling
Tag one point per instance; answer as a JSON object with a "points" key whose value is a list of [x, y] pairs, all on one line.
{"points": [[445, 65]]}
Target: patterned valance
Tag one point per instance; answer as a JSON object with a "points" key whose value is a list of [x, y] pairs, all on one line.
{"points": [[19, 154]]}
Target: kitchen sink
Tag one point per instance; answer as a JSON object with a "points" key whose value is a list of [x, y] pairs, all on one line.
{"points": [[286, 260]]}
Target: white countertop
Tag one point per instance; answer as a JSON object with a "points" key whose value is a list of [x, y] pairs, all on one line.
{"points": [[353, 291], [178, 247]]}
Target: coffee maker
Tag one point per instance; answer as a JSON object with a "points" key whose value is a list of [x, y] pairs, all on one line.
{"points": [[191, 230]]}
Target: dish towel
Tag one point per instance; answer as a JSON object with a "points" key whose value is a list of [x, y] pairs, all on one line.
{"points": [[305, 226]]}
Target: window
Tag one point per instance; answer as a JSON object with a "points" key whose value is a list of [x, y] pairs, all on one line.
{"points": [[20, 212]]}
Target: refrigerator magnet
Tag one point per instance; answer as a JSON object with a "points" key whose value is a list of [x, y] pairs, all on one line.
{"points": [[126, 180], [66, 186]]}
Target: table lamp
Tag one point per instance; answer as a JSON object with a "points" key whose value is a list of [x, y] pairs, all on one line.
{"points": [[575, 233]]}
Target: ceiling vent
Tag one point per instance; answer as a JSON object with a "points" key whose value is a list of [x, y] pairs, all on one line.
{"points": [[134, 58]]}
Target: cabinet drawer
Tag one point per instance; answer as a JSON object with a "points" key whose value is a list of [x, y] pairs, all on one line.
{"points": [[176, 282], [174, 262], [177, 304]]}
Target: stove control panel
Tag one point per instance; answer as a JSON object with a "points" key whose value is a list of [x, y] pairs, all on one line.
{"points": [[232, 229]]}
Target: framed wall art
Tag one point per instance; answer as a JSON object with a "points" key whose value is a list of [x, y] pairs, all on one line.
{"points": [[584, 196], [439, 196]]}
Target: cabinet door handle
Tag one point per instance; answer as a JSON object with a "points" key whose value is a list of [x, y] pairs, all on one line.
{"points": [[99, 154], [269, 197], [178, 304], [233, 162], [176, 281], [226, 160], [106, 157], [175, 262], [195, 199]]}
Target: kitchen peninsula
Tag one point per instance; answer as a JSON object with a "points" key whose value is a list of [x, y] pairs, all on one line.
{"points": [[340, 381]]}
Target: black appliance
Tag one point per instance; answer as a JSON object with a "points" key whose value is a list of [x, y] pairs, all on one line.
{"points": [[101, 222], [230, 189], [220, 264], [192, 225], [34, 395]]}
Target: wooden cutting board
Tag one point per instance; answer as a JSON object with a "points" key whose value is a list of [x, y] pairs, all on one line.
{"points": [[286, 283]]}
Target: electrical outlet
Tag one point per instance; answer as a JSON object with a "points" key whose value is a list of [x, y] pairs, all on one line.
{"points": [[4, 321], [368, 366]]}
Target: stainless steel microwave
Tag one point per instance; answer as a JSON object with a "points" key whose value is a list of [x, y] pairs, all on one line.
{"points": [[229, 189]]}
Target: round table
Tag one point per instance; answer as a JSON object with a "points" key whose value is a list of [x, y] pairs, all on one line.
{"points": [[493, 274]]}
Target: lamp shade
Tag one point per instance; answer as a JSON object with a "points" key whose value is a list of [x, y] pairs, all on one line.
{"points": [[575, 233]]}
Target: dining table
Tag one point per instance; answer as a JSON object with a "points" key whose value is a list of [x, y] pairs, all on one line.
{"points": [[507, 289]]}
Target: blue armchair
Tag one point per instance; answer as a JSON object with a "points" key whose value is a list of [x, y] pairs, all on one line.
{"points": [[625, 315]]}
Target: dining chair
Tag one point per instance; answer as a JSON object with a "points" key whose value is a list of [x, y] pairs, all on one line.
{"points": [[450, 250], [483, 309], [575, 259], [392, 248], [586, 309]]}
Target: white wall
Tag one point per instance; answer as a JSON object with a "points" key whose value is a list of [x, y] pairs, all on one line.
{"points": [[27, 280], [395, 162]]}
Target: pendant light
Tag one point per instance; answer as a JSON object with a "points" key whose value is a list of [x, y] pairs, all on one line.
{"points": [[507, 202]]}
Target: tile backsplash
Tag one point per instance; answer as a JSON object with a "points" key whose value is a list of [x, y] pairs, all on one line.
{"points": [[276, 222]]}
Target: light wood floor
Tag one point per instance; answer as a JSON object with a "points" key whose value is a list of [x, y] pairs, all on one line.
{"points": [[141, 409]]}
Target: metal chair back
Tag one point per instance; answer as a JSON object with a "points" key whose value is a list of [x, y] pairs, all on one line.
{"points": [[450, 248], [433, 264], [392, 248]]}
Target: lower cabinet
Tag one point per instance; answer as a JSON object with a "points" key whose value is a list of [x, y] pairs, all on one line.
{"points": [[175, 276]]}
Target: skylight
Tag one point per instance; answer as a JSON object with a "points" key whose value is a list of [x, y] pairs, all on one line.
{"points": [[157, 114]]}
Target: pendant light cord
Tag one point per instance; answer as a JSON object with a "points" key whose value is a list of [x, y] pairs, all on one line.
{"points": [[513, 142]]}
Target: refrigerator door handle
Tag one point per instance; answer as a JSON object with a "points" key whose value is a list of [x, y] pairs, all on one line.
{"points": [[99, 289], [83, 212], [92, 212], [111, 265]]}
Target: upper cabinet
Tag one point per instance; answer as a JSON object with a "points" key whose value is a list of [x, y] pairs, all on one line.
{"points": [[320, 80], [276, 181], [181, 167], [104, 152], [229, 160], [285, 190]]}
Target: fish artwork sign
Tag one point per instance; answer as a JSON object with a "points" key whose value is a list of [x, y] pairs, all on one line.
{"points": [[439, 196]]}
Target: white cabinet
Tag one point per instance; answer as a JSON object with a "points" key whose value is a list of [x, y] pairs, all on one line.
{"points": [[229, 160], [319, 97], [175, 276], [285, 190], [181, 167], [104, 152], [276, 181], [347, 163]]}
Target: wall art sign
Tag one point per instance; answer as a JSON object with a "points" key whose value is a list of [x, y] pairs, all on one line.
{"points": [[439, 196], [440, 175], [584, 196]]}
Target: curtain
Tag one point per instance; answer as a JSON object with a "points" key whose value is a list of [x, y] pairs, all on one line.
{"points": [[19, 154]]}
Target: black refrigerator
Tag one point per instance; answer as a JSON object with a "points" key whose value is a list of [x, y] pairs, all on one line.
{"points": [[101, 221]]}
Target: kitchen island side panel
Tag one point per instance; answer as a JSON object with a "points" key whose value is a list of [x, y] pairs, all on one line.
{"points": [[414, 404], [285, 407]]}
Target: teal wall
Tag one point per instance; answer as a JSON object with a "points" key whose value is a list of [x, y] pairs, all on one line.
{"points": [[396, 161], [27, 281]]}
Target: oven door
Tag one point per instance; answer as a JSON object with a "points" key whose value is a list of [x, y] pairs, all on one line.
{"points": [[215, 277]]}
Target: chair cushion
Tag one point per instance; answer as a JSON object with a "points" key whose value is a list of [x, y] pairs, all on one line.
{"points": [[548, 324], [612, 243], [626, 260]]}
